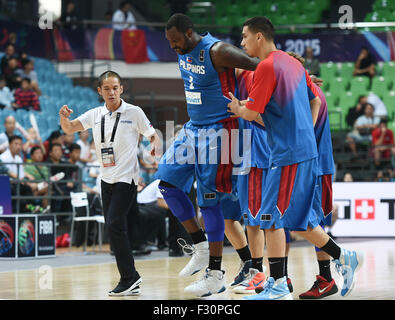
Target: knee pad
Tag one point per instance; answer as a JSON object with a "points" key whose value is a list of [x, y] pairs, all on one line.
{"points": [[214, 223], [177, 200]]}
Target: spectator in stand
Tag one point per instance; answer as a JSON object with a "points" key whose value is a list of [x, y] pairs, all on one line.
{"points": [[72, 172], [9, 53], [59, 188], [83, 142], [69, 17], [123, 18], [311, 63], [12, 159], [348, 177], [33, 141], [6, 97], [37, 171], [27, 71], [386, 175], [12, 78], [68, 140], [55, 137], [10, 125], [365, 64], [380, 109], [362, 129], [382, 144], [355, 112], [25, 97]]}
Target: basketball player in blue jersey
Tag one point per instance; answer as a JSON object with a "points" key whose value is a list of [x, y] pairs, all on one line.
{"points": [[280, 95], [207, 68]]}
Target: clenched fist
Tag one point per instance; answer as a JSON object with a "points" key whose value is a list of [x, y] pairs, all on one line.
{"points": [[65, 111]]}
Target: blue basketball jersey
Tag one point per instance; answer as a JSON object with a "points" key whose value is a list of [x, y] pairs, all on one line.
{"points": [[322, 133], [206, 90]]}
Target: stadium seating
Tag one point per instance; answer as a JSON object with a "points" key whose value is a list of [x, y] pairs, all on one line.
{"points": [[382, 11], [281, 12], [57, 89]]}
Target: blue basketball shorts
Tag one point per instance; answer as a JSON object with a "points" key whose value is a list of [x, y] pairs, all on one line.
{"points": [[230, 207], [323, 199], [250, 188], [288, 197], [204, 152]]}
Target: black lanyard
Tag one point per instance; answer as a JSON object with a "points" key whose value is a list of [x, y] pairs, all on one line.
{"points": [[114, 130]]}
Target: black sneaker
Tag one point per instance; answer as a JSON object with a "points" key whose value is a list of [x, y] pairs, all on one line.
{"points": [[130, 288]]}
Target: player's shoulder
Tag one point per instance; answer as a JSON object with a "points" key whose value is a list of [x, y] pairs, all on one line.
{"points": [[265, 65], [134, 111]]}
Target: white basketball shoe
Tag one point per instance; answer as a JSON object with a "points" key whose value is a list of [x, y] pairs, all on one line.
{"points": [[212, 282]]}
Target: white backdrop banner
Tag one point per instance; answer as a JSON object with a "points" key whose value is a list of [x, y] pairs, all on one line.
{"points": [[366, 209]]}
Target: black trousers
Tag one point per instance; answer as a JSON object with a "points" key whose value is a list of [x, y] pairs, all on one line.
{"points": [[119, 205]]}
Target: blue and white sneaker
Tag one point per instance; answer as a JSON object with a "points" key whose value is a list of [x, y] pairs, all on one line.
{"points": [[348, 264], [244, 273], [273, 290], [212, 282]]}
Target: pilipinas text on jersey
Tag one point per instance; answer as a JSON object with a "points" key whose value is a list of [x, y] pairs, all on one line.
{"points": [[206, 90]]}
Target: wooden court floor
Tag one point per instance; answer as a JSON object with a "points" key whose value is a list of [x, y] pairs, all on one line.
{"points": [[376, 279]]}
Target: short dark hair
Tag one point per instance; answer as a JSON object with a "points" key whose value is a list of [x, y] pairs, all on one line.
{"points": [[261, 24], [181, 21], [74, 146], [25, 61], [14, 137], [34, 149], [108, 74], [123, 4], [54, 135], [27, 80], [370, 105], [360, 97], [53, 145]]}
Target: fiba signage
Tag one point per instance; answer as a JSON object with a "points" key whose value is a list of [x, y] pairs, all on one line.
{"points": [[27, 236], [365, 209]]}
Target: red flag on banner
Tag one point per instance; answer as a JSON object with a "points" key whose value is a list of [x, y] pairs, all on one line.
{"points": [[134, 46], [62, 47]]}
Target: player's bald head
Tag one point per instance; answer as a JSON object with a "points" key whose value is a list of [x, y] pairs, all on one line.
{"points": [[180, 21]]}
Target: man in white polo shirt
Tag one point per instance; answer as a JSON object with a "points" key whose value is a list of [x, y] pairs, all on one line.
{"points": [[116, 127]]}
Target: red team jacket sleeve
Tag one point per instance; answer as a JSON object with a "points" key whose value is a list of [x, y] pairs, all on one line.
{"points": [[311, 86], [263, 86]]}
